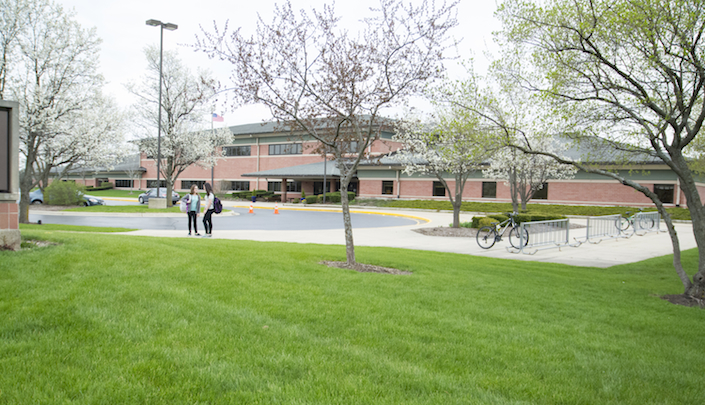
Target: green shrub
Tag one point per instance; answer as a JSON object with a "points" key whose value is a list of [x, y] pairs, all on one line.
{"points": [[537, 217], [261, 193], [242, 195], [334, 197], [103, 186], [311, 199], [478, 222], [63, 193]]}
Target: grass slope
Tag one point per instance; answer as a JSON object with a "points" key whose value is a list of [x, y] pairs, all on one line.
{"points": [[120, 319]]}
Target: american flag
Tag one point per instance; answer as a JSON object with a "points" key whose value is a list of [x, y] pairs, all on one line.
{"points": [[217, 118]]}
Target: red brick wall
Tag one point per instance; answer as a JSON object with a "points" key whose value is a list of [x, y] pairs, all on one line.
{"points": [[9, 215]]}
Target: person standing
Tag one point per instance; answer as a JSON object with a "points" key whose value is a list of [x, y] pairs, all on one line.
{"points": [[193, 202], [207, 221]]}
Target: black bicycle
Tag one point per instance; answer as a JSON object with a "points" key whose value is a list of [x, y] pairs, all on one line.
{"points": [[487, 236], [624, 222]]}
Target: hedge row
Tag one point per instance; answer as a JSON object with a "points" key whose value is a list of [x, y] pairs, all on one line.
{"points": [[333, 197], [103, 186], [478, 222]]}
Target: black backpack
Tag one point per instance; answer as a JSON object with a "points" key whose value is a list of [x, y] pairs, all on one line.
{"points": [[217, 205]]}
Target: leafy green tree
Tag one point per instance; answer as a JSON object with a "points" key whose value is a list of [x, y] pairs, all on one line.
{"points": [[450, 143], [627, 76]]}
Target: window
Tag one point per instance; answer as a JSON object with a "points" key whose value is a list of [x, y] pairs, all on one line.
{"points": [[240, 185], [387, 187], [123, 183], [542, 193], [352, 186], [291, 186], [237, 150], [285, 149], [664, 192], [489, 189], [186, 184], [438, 189], [318, 187], [350, 147], [274, 186], [153, 183]]}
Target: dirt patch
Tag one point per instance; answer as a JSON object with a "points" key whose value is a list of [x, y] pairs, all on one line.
{"points": [[685, 300], [365, 268]]}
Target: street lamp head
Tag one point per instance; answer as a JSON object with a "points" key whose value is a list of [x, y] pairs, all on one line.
{"points": [[166, 26]]}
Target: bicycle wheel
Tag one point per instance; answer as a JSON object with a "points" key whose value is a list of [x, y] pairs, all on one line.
{"points": [[515, 237], [622, 224], [486, 237], [646, 223]]}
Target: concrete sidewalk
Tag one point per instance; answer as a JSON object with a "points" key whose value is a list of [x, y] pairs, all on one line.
{"points": [[605, 254]]}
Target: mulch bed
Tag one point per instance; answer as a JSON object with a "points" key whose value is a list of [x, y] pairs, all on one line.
{"points": [[685, 300], [365, 268]]}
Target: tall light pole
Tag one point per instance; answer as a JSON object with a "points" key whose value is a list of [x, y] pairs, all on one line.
{"points": [[170, 27]]}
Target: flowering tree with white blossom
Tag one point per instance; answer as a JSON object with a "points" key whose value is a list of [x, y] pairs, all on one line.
{"points": [[527, 173], [454, 146], [185, 103], [49, 64]]}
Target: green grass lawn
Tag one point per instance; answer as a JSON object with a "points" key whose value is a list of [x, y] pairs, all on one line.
{"points": [[117, 193], [107, 319]]}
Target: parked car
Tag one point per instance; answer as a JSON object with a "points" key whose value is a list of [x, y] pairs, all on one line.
{"points": [[92, 200], [37, 197], [152, 192]]}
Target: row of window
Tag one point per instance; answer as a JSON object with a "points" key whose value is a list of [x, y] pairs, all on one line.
{"points": [[665, 192], [489, 189], [279, 149]]}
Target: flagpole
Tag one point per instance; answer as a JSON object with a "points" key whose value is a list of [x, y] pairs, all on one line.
{"points": [[212, 167]]}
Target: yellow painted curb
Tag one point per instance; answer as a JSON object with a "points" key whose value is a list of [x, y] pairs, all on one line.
{"points": [[391, 214]]}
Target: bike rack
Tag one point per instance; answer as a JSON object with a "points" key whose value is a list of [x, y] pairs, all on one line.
{"points": [[603, 228], [544, 235], [556, 234]]}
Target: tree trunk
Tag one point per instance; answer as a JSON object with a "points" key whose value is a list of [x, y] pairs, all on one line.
{"points": [[514, 189], [697, 287], [169, 188], [458, 201], [349, 245], [26, 183]]}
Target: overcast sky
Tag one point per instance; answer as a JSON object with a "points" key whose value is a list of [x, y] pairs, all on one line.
{"points": [[121, 26]]}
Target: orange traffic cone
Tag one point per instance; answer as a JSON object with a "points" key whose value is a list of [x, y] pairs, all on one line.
{"points": [[276, 208], [252, 211]]}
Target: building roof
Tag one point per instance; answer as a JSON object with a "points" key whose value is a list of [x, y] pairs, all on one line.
{"points": [[300, 171], [274, 127], [131, 162]]}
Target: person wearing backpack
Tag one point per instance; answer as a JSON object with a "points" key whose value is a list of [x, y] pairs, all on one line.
{"points": [[210, 209]]}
